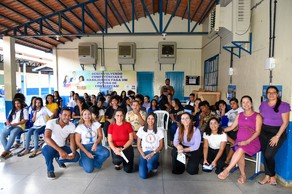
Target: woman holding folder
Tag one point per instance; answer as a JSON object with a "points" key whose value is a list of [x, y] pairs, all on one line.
{"points": [[187, 141]]}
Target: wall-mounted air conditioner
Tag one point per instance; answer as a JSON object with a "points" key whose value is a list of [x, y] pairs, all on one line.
{"points": [[87, 53], [235, 17], [213, 27], [167, 52], [126, 52]]}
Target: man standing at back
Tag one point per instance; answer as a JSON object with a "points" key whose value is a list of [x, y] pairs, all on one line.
{"points": [[56, 133], [167, 87]]}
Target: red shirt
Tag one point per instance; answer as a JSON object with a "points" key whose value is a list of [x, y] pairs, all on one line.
{"points": [[120, 133]]}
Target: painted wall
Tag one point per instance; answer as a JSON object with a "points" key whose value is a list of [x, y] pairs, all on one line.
{"points": [[249, 74], [188, 52]]}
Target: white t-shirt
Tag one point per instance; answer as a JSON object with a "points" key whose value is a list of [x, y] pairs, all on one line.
{"points": [[60, 134], [150, 140], [88, 135], [231, 115], [190, 103], [215, 140], [16, 117], [41, 116], [101, 112]]}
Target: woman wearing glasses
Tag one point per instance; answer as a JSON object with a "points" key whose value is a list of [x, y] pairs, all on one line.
{"points": [[187, 141], [88, 138], [275, 115]]}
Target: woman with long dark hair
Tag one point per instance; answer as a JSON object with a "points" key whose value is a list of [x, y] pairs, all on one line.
{"points": [[52, 106], [249, 125], [81, 105], [214, 145], [40, 115], [174, 114], [187, 140], [30, 110], [58, 99], [275, 115], [15, 123], [149, 144], [153, 106], [123, 95]]}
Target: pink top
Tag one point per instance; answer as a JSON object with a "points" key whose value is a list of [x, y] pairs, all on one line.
{"points": [[246, 128]]}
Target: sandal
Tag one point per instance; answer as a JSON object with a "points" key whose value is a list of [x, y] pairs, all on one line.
{"points": [[20, 154], [241, 179], [223, 175], [4, 154], [264, 181], [273, 181], [23, 153], [32, 155]]}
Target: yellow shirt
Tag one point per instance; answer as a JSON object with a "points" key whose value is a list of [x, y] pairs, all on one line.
{"points": [[52, 107]]}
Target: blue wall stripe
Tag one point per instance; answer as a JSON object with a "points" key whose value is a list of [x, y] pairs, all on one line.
{"points": [[284, 157]]}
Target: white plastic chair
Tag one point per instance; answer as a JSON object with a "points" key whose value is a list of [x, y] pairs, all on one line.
{"points": [[161, 122]]}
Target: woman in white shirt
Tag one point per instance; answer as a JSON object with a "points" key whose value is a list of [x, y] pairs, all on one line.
{"points": [[15, 123], [40, 114], [214, 145], [150, 143], [88, 138]]}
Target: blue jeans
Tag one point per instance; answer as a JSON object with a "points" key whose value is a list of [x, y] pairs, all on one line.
{"points": [[12, 132], [50, 153], [100, 155], [172, 130], [35, 131], [148, 165]]}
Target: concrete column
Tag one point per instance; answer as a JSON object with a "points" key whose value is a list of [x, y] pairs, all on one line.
{"points": [[49, 82], [55, 67], [40, 88], [24, 79], [9, 71]]}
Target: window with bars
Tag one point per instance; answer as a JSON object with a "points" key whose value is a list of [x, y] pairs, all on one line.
{"points": [[211, 73]]}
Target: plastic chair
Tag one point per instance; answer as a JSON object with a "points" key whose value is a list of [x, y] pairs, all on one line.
{"points": [[254, 159], [163, 122]]}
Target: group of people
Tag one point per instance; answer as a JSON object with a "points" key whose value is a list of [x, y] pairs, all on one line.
{"points": [[198, 132]]}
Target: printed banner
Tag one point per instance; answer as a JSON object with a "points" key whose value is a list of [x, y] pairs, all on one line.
{"points": [[231, 92], [93, 82]]}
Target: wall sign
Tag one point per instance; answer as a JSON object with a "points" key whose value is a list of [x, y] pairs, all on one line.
{"points": [[192, 80]]}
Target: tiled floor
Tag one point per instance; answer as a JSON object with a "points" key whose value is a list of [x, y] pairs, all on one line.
{"points": [[25, 175]]}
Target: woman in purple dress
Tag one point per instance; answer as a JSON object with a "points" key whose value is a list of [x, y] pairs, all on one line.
{"points": [[249, 127], [275, 115]]}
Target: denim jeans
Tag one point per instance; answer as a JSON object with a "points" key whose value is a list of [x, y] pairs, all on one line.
{"points": [[172, 130], [100, 155], [50, 153], [35, 131], [12, 132], [148, 165]]}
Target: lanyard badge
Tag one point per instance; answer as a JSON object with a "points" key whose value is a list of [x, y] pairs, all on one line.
{"points": [[90, 134]]}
